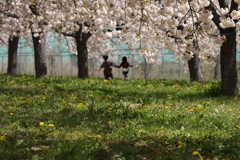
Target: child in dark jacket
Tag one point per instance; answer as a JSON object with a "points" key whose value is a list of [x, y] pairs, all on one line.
{"points": [[107, 67], [125, 66]]}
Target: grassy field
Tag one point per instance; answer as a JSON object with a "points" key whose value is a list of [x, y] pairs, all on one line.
{"points": [[67, 118]]}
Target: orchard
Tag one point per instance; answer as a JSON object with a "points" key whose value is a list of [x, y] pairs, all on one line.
{"points": [[191, 29]]}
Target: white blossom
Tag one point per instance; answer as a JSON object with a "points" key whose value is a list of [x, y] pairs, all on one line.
{"points": [[235, 15], [226, 22]]}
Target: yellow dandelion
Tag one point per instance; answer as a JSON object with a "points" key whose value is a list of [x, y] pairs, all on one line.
{"points": [[230, 109], [200, 107], [11, 113], [41, 123], [3, 138], [195, 152], [51, 125], [180, 146], [179, 142], [98, 136]]}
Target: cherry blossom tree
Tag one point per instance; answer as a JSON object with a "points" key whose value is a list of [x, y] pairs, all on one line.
{"points": [[84, 21], [18, 19], [214, 22], [12, 40], [190, 27], [186, 27]]}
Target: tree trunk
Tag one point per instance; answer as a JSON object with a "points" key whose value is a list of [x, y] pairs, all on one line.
{"points": [[12, 54], [195, 69], [145, 69], [39, 54], [228, 63], [81, 41], [217, 68], [82, 58]]}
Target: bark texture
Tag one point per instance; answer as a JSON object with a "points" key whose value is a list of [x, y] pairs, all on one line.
{"points": [[12, 54], [228, 63], [81, 41], [39, 54], [229, 76], [82, 58], [195, 69]]}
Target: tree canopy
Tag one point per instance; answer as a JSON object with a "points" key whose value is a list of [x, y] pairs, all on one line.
{"points": [[185, 27]]}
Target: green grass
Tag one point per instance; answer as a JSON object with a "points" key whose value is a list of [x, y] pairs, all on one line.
{"points": [[67, 118]]}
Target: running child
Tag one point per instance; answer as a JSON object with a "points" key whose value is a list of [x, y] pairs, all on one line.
{"points": [[107, 67], [125, 66]]}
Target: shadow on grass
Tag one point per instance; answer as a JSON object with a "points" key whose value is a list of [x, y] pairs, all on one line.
{"points": [[153, 147], [30, 144], [31, 141]]}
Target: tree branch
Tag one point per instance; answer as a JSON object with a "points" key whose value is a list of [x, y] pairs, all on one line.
{"points": [[216, 17]]}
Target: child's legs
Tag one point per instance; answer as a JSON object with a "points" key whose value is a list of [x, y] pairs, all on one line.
{"points": [[125, 74], [110, 75], [106, 76]]}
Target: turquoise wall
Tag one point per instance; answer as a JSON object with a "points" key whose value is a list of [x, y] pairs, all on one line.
{"points": [[57, 48]]}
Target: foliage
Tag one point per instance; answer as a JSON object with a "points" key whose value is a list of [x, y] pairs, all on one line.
{"points": [[70, 118], [181, 26]]}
